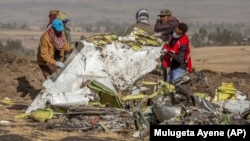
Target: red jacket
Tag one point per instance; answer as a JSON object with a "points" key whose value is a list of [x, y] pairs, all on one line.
{"points": [[183, 40]]}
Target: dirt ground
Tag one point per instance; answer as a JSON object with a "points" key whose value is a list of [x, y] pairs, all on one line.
{"points": [[21, 80]]}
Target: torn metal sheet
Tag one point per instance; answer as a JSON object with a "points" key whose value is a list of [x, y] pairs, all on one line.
{"points": [[107, 96], [114, 65], [246, 116], [164, 112], [203, 103], [235, 106]]}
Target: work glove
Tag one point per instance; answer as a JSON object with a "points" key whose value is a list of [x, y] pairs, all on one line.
{"points": [[60, 64], [163, 51], [157, 34]]}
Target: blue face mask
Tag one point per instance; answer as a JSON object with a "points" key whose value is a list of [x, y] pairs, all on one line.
{"points": [[176, 36]]}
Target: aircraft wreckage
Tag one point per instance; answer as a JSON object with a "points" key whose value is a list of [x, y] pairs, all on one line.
{"points": [[98, 90], [108, 61]]}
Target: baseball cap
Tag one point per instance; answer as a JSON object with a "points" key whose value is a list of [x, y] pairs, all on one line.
{"points": [[57, 24], [165, 12]]}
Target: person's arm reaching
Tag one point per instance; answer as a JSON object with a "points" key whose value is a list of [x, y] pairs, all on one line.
{"points": [[180, 56]]}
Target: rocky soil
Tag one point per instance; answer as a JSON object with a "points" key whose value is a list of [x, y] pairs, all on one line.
{"points": [[21, 80]]}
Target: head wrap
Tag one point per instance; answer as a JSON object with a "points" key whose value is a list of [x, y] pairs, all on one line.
{"points": [[142, 16]]}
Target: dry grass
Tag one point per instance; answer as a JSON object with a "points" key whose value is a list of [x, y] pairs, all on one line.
{"points": [[222, 59], [30, 39]]}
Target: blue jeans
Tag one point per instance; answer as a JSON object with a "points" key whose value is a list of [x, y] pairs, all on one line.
{"points": [[175, 74]]}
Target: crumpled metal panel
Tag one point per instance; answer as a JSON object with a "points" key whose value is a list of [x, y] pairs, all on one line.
{"points": [[114, 65], [166, 112], [236, 106]]}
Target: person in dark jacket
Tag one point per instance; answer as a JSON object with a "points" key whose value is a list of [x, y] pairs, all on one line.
{"points": [[62, 16], [165, 25], [142, 22]]}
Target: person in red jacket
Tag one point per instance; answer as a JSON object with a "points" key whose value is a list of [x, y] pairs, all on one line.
{"points": [[176, 54]]}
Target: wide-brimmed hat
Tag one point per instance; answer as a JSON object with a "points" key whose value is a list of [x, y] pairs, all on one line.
{"points": [[165, 12], [53, 12]]}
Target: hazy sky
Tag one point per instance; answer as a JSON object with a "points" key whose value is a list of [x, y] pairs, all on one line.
{"points": [[206, 11]]}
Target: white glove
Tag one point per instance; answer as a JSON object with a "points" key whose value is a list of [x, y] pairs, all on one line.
{"points": [[157, 34], [163, 51], [60, 64]]}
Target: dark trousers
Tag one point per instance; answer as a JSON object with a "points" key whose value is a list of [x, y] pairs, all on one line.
{"points": [[165, 73], [48, 70]]}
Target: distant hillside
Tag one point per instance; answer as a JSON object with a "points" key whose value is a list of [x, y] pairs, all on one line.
{"points": [[203, 11]]}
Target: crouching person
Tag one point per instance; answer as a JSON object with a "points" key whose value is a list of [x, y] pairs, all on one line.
{"points": [[52, 46], [177, 54]]}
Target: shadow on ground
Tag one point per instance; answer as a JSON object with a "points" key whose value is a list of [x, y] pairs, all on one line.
{"points": [[26, 89], [18, 107], [13, 137]]}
